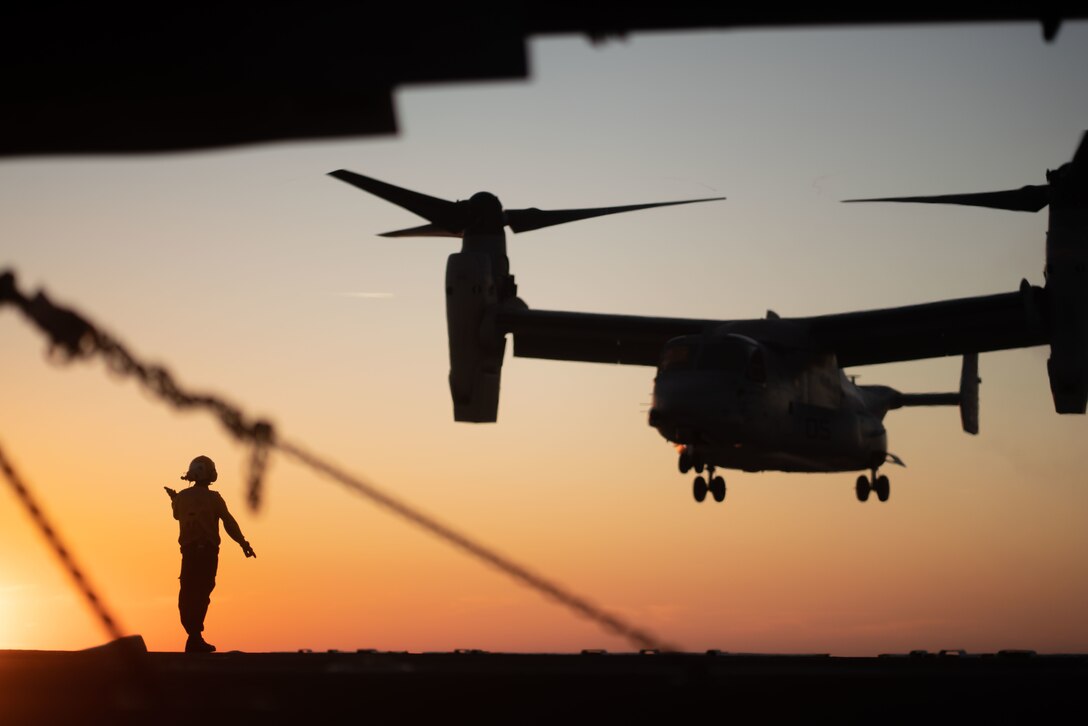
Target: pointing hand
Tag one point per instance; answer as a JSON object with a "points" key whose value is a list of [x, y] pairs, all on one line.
{"points": [[248, 551], [171, 492]]}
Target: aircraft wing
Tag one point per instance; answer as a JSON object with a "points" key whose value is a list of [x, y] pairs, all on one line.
{"points": [[595, 337], [931, 330]]}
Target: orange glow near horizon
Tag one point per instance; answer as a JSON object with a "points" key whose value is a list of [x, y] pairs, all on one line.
{"points": [[333, 572], [238, 269]]}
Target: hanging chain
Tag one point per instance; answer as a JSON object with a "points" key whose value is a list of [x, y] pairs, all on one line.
{"points": [[52, 537], [581, 606], [72, 337]]}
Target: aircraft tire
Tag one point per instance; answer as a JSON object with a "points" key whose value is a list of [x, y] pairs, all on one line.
{"points": [[699, 489], [862, 488], [717, 488], [882, 487], [685, 462]]}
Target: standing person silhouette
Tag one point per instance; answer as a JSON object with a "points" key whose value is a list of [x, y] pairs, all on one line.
{"points": [[198, 510]]}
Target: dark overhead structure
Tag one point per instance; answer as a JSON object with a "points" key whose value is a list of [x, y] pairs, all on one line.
{"points": [[104, 79]]}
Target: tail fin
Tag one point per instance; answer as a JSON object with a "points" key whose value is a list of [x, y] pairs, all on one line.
{"points": [[969, 381], [966, 399]]}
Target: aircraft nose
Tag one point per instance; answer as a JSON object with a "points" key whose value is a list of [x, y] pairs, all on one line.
{"points": [[690, 403]]}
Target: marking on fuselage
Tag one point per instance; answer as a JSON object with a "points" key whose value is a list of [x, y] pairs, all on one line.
{"points": [[817, 428]]}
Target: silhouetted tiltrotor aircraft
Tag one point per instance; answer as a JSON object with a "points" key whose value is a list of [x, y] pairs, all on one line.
{"points": [[764, 394]]}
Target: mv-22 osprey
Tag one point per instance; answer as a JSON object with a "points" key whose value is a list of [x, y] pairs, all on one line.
{"points": [[764, 394]]}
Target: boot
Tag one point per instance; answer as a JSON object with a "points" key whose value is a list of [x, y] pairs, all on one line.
{"points": [[197, 644]]}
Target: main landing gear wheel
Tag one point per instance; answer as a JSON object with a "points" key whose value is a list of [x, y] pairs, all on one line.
{"points": [[714, 485], [685, 462], [862, 488], [717, 488], [882, 487], [700, 489]]}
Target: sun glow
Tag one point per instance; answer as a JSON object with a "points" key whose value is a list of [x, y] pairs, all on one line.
{"points": [[252, 276]]}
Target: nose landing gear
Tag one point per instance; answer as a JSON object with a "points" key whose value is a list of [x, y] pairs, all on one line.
{"points": [[880, 485]]}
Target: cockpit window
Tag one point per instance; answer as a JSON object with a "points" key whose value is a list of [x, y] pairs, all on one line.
{"points": [[727, 354], [678, 357], [732, 354]]}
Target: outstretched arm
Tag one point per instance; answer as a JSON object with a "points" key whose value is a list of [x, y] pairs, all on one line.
{"points": [[230, 524]]}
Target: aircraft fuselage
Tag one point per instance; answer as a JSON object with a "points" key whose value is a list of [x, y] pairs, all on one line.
{"points": [[735, 403]]}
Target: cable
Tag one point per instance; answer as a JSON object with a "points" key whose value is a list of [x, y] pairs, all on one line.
{"points": [[72, 336], [580, 605], [52, 537]]}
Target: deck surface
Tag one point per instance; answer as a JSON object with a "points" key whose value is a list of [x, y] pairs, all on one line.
{"points": [[122, 683]]}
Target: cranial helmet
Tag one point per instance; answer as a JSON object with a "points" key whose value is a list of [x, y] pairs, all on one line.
{"points": [[201, 469]]}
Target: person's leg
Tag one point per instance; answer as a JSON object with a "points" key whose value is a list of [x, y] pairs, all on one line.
{"points": [[198, 570]]}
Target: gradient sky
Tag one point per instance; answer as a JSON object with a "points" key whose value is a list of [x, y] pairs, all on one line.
{"points": [[241, 270]]}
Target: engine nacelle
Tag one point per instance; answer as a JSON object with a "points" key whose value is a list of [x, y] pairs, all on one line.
{"points": [[1068, 362], [1067, 296], [476, 347]]}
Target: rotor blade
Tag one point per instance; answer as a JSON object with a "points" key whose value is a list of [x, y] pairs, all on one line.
{"points": [[1080, 158], [427, 230], [523, 220], [1024, 199], [437, 211]]}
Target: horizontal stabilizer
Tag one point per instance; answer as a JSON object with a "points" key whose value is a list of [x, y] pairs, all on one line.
{"points": [[966, 398], [927, 399]]}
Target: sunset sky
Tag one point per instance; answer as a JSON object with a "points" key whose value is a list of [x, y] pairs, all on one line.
{"points": [[243, 270]]}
